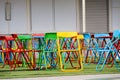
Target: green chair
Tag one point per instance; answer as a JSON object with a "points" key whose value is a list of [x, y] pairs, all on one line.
{"points": [[50, 50]]}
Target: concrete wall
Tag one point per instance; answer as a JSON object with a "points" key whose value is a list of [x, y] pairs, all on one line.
{"points": [[18, 22], [54, 15], [65, 15], [115, 14], [3, 22], [41, 16]]}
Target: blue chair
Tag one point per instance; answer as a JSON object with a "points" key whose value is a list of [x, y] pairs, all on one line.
{"points": [[107, 52]]}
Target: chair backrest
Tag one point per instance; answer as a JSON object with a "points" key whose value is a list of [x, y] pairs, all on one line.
{"points": [[2, 37], [38, 35], [97, 35], [116, 33], [86, 35], [9, 38], [6, 38], [52, 36], [67, 34], [24, 37], [80, 36]]}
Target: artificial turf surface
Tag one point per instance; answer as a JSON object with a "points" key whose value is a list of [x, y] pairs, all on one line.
{"points": [[6, 73]]}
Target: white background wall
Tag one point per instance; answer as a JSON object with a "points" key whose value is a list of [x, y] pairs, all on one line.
{"points": [[115, 14], [42, 16], [53, 15], [3, 22], [56, 15], [65, 15], [18, 22]]}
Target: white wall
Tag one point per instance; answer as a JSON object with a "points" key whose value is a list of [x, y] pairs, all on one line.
{"points": [[42, 16], [18, 23], [65, 15], [115, 14], [3, 22], [46, 16], [53, 15]]}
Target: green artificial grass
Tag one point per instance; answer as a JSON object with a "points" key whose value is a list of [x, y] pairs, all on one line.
{"points": [[5, 73]]}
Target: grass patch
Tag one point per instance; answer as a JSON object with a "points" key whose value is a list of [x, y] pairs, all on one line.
{"points": [[23, 73]]}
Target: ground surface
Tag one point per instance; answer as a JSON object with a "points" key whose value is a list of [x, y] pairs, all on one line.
{"points": [[78, 77], [88, 73]]}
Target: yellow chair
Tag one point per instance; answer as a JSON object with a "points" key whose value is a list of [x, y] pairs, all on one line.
{"points": [[69, 51]]}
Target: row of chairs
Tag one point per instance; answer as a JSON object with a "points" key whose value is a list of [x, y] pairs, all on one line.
{"points": [[49, 50], [67, 51], [103, 49]]}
